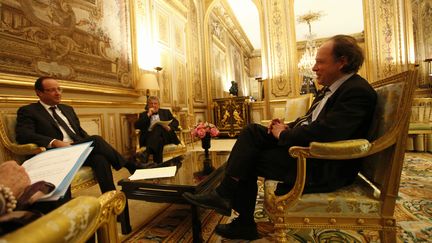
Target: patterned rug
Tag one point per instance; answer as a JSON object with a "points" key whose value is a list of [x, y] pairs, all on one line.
{"points": [[413, 213]]}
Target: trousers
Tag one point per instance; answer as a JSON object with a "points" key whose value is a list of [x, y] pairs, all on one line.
{"points": [[102, 157], [264, 158]]}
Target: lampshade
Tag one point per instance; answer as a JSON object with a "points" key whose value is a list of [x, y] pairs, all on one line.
{"points": [[147, 81]]}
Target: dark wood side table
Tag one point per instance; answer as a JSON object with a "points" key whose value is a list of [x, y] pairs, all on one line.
{"points": [[192, 175], [231, 114]]}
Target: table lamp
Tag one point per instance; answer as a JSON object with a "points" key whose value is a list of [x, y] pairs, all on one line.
{"points": [[147, 82]]}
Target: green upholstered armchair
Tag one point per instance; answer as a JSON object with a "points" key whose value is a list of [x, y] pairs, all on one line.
{"points": [[369, 203], [169, 150], [75, 221], [420, 127], [84, 177]]}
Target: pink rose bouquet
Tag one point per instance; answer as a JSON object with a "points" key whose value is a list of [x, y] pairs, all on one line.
{"points": [[202, 128]]}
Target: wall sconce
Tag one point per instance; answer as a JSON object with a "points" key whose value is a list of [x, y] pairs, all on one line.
{"points": [[147, 82]]}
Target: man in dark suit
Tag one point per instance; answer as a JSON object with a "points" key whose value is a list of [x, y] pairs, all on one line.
{"points": [[342, 110], [153, 135], [50, 124]]}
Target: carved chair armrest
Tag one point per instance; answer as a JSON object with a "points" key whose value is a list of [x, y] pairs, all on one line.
{"points": [[344, 149], [84, 214], [25, 149]]}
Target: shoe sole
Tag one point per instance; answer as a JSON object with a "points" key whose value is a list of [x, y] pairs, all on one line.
{"points": [[218, 210]]}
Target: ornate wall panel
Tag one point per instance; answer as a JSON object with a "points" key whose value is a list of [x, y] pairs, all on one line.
{"points": [[218, 63], [171, 29], [180, 77], [112, 137], [165, 78], [93, 124], [282, 48], [162, 23], [194, 50], [387, 37], [422, 21], [82, 41]]}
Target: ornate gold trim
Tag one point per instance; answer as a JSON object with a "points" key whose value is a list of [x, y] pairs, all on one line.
{"points": [[28, 81], [16, 99]]}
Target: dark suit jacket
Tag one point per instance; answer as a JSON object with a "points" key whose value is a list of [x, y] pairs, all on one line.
{"points": [[36, 125], [347, 114], [143, 124]]}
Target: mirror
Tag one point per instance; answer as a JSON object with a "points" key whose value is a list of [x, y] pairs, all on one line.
{"points": [[233, 54]]}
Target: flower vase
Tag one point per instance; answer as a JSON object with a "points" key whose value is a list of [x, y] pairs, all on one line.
{"points": [[205, 144]]}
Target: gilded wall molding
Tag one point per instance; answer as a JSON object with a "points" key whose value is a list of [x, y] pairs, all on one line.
{"points": [[195, 57], [282, 46], [387, 37], [22, 100], [19, 81], [422, 22]]}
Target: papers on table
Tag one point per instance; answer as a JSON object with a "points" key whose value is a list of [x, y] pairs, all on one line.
{"points": [[152, 173], [57, 166]]}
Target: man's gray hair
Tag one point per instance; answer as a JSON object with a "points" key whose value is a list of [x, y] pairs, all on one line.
{"points": [[153, 98]]}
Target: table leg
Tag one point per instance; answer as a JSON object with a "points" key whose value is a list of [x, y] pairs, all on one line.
{"points": [[196, 225], [125, 221]]}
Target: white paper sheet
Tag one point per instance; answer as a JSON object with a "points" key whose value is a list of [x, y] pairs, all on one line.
{"points": [[152, 173], [57, 166]]}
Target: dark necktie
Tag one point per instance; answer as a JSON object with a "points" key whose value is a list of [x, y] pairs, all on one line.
{"points": [[308, 117], [63, 124]]}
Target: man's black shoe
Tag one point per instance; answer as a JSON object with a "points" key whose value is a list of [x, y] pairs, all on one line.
{"points": [[132, 165], [143, 157], [210, 200], [238, 230]]}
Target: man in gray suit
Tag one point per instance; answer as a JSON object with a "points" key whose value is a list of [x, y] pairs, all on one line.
{"points": [[342, 110], [50, 124]]}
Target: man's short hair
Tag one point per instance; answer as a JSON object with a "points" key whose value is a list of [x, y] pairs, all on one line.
{"points": [[39, 83], [346, 46], [153, 98]]}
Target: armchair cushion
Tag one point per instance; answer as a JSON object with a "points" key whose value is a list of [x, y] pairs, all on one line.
{"points": [[354, 200], [169, 150]]}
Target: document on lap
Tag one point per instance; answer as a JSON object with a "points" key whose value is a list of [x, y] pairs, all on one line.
{"points": [[152, 173], [57, 166], [162, 123]]}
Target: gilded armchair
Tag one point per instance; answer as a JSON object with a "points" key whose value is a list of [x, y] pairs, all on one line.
{"points": [[75, 221], [368, 203], [169, 150], [84, 177], [294, 107]]}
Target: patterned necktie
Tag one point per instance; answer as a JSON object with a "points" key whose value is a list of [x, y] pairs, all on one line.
{"points": [[63, 124], [308, 117]]}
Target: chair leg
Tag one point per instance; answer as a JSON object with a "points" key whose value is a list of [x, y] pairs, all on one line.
{"points": [[280, 234], [388, 236]]}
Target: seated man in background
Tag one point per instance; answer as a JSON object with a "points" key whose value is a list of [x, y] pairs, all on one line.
{"points": [[342, 110], [155, 135], [50, 124]]}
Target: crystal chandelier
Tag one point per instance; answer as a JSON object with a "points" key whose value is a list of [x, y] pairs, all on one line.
{"points": [[307, 61]]}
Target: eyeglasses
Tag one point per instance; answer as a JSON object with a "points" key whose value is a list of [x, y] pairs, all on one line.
{"points": [[52, 90]]}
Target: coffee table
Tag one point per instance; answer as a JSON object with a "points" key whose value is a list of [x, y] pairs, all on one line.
{"points": [[195, 174]]}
